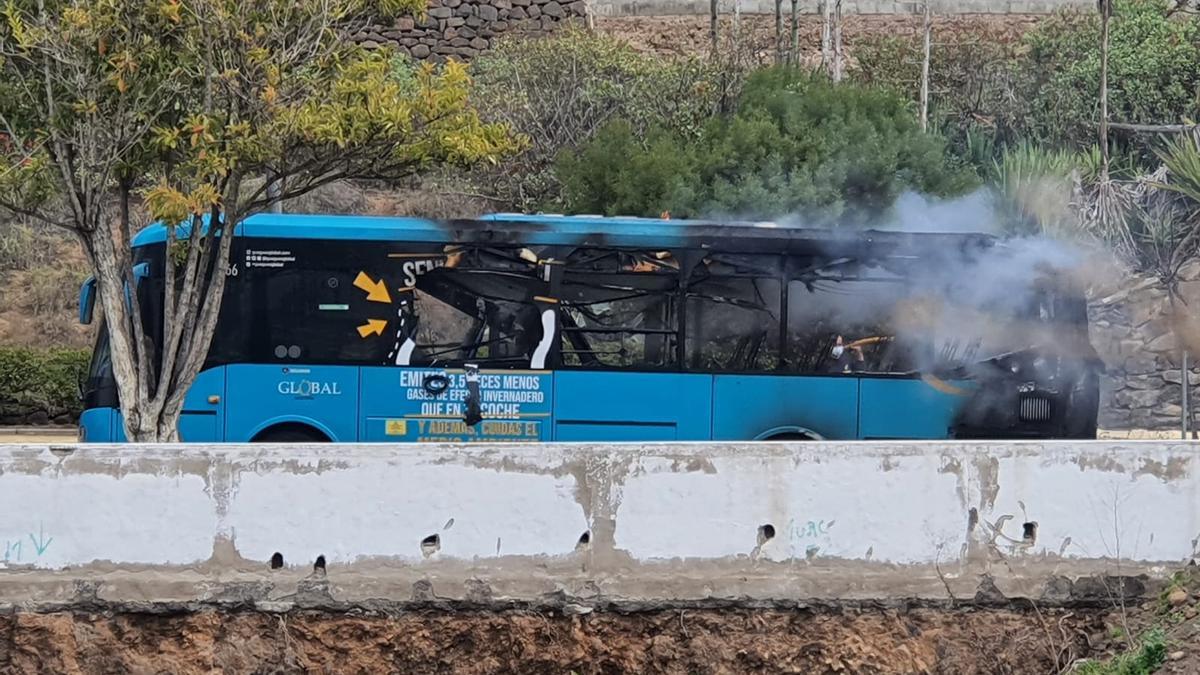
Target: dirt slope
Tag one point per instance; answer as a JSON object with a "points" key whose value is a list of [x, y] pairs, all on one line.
{"points": [[694, 641]]}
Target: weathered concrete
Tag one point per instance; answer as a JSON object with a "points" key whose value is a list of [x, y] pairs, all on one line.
{"points": [[569, 524], [702, 7]]}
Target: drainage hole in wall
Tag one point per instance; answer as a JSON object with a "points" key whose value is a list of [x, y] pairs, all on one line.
{"points": [[585, 539], [972, 519], [1029, 532], [765, 533], [319, 564], [430, 545], [276, 560]]}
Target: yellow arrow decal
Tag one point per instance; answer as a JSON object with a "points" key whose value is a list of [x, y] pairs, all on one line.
{"points": [[376, 290], [372, 327]]}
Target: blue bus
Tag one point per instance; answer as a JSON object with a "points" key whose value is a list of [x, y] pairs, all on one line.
{"points": [[579, 328]]}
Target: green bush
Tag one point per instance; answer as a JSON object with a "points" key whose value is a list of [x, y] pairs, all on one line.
{"points": [[797, 145], [1044, 88], [559, 91], [1146, 659], [41, 380], [1154, 70]]}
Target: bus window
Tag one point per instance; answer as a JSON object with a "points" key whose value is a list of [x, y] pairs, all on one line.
{"points": [[442, 330], [733, 324], [619, 320], [481, 316], [841, 320], [302, 314]]}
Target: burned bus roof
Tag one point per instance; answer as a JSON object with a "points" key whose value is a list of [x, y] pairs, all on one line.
{"points": [[593, 231]]}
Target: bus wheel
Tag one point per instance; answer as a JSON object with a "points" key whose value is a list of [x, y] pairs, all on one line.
{"points": [[290, 433], [790, 437]]}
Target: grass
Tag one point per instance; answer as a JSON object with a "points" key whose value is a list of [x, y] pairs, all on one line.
{"points": [[1147, 658]]}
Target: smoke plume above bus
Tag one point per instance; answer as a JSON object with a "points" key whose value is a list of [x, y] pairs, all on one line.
{"points": [[956, 305]]}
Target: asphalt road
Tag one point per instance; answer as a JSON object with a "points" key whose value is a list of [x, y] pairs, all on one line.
{"points": [[19, 436]]}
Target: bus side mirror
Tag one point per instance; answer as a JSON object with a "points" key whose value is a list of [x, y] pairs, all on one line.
{"points": [[87, 300], [81, 378]]}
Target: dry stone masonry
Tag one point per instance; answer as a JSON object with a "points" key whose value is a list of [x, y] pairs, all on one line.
{"points": [[1133, 330], [461, 29]]}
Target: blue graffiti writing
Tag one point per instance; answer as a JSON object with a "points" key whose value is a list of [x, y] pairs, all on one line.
{"points": [[41, 543], [809, 529], [15, 551]]}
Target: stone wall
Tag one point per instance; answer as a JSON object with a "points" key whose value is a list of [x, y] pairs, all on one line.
{"points": [[461, 29], [1135, 333]]}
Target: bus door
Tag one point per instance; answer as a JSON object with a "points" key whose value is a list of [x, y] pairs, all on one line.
{"points": [[203, 417]]}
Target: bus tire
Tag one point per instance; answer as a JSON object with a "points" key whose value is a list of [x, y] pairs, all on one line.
{"points": [[790, 436], [290, 433]]}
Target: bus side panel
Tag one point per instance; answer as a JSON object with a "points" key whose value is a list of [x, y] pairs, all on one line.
{"points": [[905, 408], [260, 396], [746, 407], [403, 404], [203, 418], [614, 406]]}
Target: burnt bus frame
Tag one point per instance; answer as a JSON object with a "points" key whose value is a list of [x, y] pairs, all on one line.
{"points": [[704, 239]]}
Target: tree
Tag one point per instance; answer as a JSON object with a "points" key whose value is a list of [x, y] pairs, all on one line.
{"points": [[179, 106], [1105, 7], [794, 44], [926, 53], [560, 90], [778, 32], [797, 146]]}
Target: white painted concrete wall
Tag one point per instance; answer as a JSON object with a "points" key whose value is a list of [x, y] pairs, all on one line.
{"points": [[672, 520]]}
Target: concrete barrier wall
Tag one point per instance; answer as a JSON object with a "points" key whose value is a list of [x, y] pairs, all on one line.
{"points": [[665, 522], [702, 7]]}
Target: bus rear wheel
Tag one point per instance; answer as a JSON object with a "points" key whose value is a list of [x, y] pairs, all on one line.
{"points": [[791, 437], [290, 433]]}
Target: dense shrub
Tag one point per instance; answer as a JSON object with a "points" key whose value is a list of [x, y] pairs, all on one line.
{"points": [[560, 91], [797, 145], [1045, 87], [1154, 70], [40, 381]]}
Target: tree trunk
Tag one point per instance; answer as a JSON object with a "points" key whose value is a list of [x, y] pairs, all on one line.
{"points": [[1185, 398], [837, 40], [925, 67], [778, 32], [140, 420], [793, 51], [153, 380], [826, 35], [712, 26], [737, 26], [1105, 15], [273, 190]]}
